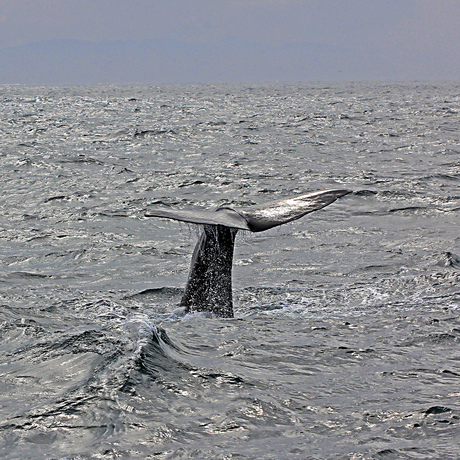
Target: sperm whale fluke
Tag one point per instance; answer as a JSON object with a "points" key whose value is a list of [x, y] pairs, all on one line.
{"points": [[209, 286]]}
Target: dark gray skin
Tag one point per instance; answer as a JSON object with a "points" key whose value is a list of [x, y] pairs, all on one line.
{"points": [[209, 286]]}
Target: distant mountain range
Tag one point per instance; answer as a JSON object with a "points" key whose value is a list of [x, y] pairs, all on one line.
{"points": [[174, 61]]}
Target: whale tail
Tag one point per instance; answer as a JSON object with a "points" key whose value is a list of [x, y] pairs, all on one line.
{"points": [[209, 286]]}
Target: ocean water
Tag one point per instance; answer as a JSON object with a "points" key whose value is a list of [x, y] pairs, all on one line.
{"points": [[346, 337]]}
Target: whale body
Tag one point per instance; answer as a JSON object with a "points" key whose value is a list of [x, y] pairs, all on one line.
{"points": [[209, 286]]}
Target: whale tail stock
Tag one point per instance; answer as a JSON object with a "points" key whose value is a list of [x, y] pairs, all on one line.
{"points": [[209, 286]]}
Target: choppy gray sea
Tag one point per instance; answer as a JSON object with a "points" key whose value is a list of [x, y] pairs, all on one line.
{"points": [[346, 337]]}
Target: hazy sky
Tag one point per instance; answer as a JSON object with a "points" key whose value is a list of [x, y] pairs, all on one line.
{"points": [[400, 28], [389, 24]]}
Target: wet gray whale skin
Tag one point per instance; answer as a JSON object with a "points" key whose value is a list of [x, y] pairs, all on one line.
{"points": [[209, 286]]}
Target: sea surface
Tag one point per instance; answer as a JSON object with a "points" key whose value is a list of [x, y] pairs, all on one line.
{"points": [[346, 337]]}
